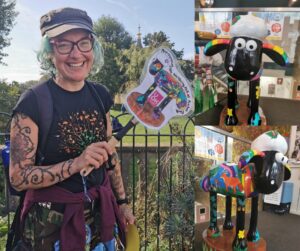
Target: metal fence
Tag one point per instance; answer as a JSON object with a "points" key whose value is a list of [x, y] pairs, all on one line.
{"points": [[144, 155]]}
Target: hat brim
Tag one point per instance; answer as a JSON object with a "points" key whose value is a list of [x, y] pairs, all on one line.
{"points": [[58, 30]]}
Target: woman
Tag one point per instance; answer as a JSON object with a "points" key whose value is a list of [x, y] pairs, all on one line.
{"points": [[62, 209]]}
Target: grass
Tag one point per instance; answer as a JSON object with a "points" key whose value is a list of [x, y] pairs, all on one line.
{"points": [[139, 132]]}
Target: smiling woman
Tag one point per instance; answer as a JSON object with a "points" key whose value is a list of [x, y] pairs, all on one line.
{"points": [[62, 209]]}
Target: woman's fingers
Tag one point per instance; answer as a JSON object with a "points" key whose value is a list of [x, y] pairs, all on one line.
{"points": [[95, 155]]}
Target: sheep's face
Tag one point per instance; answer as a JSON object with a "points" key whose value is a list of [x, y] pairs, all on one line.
{"points": [[243, 58], [269, 172]]}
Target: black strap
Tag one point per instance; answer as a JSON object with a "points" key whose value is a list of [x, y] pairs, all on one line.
{"points": [[14, 233], [95, 94], [45, 110]]}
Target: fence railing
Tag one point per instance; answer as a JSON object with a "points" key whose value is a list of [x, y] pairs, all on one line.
{"points": [[155, 169]]}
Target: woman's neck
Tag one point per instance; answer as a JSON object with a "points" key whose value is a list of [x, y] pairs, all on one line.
{"points": [[71, 86]]}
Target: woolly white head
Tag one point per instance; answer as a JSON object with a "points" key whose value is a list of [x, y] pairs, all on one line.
{"points": [[270, 141], [249, 26]]}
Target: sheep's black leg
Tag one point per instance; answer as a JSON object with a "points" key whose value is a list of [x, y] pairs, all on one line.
{"points": [[231, 118], [254, 118], [143, 97], [253, 234], [251, 93], [236, 99], [228, 223], [213, 230], [240, 243]]}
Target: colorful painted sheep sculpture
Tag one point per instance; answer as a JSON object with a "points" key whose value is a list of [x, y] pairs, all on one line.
{"points": [[243, 61], [261, 169]]}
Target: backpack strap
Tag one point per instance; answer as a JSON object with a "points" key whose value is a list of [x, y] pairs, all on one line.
{"points": [[100, 103], [45, 112]]}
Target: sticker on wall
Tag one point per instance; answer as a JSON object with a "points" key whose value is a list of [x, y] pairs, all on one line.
{"points": [[209, 144]]}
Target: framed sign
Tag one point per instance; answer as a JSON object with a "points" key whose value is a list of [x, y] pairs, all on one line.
{"points": [[294, 146], [209, 144]]}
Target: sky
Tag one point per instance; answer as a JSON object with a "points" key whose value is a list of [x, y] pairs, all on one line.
{"points": [[174, 17]]}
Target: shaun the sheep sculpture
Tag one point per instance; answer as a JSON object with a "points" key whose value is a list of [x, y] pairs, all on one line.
{"points": [[243, 61], [260, 170]]}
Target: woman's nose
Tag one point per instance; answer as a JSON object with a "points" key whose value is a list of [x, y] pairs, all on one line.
{"points": [[75, 51]]}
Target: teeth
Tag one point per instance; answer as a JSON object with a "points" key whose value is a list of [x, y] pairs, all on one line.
{"points": [[76, 65]]}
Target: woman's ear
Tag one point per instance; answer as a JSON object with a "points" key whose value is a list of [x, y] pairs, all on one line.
{"points": [[215, 46], [276, 53]]}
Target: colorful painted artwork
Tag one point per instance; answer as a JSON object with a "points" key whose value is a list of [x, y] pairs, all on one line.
{"points": [[163, 93], [261, 169], [243, 62]]}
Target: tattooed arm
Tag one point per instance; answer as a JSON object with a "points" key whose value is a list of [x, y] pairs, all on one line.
{"points": [[116, 181], [115, 175], [23, 172]]}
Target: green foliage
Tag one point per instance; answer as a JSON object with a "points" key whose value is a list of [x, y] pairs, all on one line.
{"points": [[110, 74], [111, 31], [132, 61], [169, 199], [7, 17], [188, 69], [157, 39], [9, 94]]}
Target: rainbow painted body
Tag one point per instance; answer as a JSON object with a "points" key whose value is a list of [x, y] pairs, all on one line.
{"points": [[256, 172]]}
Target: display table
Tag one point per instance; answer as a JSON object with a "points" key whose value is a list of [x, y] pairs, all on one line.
{"points": [[277, 111], [243, 113], [224, 242]]}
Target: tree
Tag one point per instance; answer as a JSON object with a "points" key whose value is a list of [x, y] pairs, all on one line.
{"points": [[157, 39], [114, 39], [110, 74], [7, 18], [132, 61], [188, 69], [9, 95], [160, 38], [112, 31]]}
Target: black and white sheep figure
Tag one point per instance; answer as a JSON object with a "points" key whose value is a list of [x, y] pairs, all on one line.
{"points": [[261, 169], [243, 61]]}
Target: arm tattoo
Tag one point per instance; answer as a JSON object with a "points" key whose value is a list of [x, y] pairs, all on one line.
{"points": [[117, 182], [23, 159]]}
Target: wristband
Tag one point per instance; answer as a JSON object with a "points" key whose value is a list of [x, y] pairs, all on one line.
{"points": [[123, 201]]}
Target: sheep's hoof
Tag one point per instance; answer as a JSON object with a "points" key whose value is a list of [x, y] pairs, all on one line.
{"points": [[254, 119], [228, 225], [253, 236], [239, 245], [231, 120], [213, 232]]}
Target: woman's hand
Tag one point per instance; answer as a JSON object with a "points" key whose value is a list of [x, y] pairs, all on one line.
{"points": [[95, 155], [126, 214]]}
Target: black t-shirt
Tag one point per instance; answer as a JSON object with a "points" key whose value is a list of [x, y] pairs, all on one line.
{"points": [[77, 122]]}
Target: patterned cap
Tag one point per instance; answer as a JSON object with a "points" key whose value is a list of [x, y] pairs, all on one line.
{"points": [[61, 20]]}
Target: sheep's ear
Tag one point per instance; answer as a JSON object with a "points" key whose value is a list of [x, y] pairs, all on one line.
{"points": [[276, 53], [215, 46]]}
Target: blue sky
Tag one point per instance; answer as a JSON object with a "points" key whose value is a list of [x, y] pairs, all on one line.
{"points": [[174, 17]]}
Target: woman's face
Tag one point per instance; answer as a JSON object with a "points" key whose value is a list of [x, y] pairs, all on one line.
{"points": [[74, 67]]}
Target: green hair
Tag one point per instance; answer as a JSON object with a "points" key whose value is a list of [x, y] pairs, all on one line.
{"points": [[46, 50]]}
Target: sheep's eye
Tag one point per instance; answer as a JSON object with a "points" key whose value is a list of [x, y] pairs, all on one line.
{"points": [[280, 158], [251, 45], [240, 43]]}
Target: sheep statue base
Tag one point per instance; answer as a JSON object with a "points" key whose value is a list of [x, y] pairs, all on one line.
{"points": [[261, 169], [225, 240], [242, 112]]}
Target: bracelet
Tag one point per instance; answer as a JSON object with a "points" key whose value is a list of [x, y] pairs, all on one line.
{"points": [[123, 201]]}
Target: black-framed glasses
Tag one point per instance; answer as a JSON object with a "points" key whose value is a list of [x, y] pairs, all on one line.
{"points": [[65, 46]]}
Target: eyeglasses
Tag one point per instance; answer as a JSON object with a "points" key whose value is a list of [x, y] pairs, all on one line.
{"points": [[65, 46]]}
